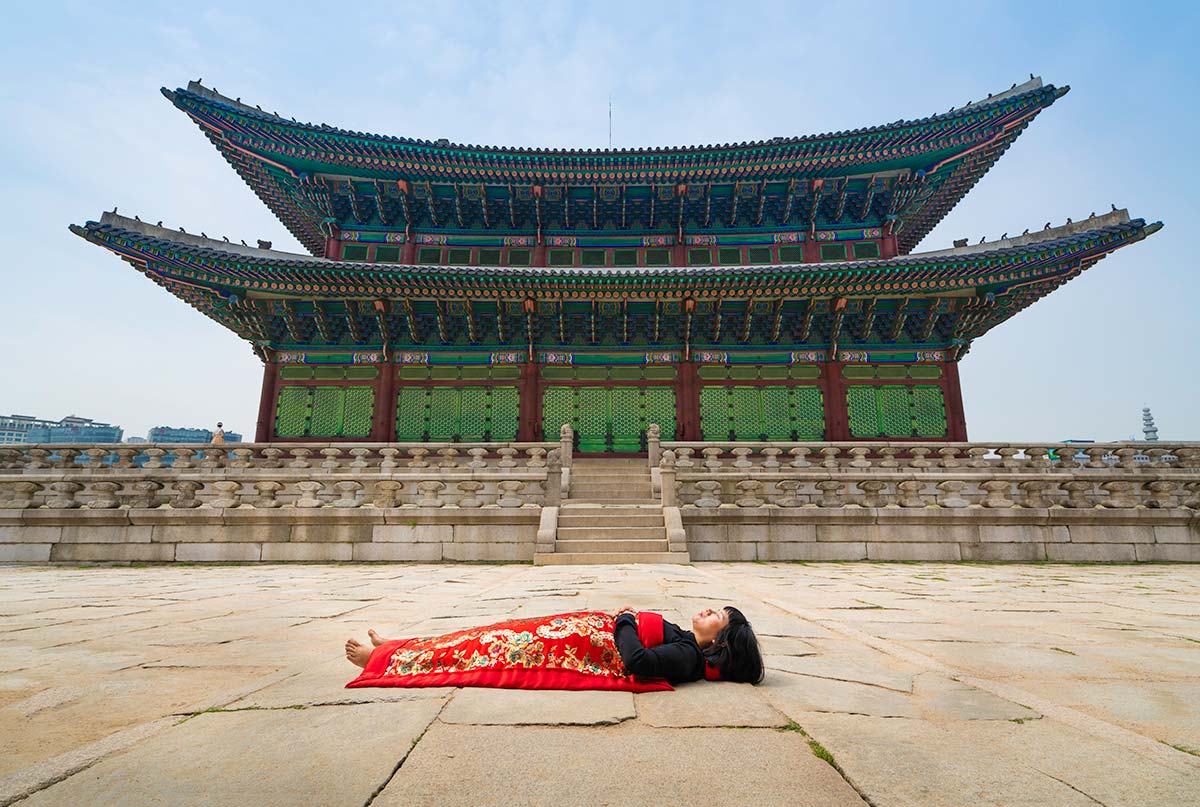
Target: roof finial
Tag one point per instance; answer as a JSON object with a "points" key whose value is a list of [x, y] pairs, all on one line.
{"points": [[1148, 427]]}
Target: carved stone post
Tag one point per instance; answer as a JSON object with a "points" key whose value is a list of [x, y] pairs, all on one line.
{"points": [[666, 467], [309, 494], [710, 493], [147, 494], [950, 494], [347, 490], [470, 493], [1120, 494], [429, 490], [103, 495], [872, 490], [654, 445], [998, 493], [566, 444], [910, 493], [267, 492], [511, 493], [185, 494], [62, 496], [386, 493], [831, 493]]}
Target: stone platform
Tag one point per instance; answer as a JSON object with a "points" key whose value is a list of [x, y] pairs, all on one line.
{"points": [[923, 684]]}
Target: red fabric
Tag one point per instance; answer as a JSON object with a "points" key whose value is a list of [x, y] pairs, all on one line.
{"points": [[650, 628], [564, 651]]}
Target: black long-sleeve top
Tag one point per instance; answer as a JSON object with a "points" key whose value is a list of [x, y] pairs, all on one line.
{"points": [[678, 658]]}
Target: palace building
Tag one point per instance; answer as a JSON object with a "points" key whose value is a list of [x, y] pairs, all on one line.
{"points": [[764, 290]]}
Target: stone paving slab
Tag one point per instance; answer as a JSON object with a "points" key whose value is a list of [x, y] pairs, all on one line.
{"points": [[930, 684], [520, 707], [325, 755], [917, 763], [693, 705], [618, 766]]}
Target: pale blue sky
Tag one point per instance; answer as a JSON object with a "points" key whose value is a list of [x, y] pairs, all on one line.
{"points": [[85, 129]]}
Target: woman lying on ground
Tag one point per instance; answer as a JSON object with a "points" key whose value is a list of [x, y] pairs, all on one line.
{"points": [[631, 651]]}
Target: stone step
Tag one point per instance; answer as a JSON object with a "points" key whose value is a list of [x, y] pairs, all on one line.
{"points": [[569, 518], [580, 558], [605, 545], [606, 501], [610, 462], [582, 507], [610, 471], [569, 533], [609, 488]]}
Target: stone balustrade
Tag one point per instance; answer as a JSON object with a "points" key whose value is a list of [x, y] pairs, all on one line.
{"points": [[279, 475], [935, 501], [954, 475]]}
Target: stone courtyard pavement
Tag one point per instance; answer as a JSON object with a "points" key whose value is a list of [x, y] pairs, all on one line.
{"points": [[887, 684]]}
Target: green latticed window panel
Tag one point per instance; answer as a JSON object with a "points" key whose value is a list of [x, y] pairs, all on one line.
{"points": [[556, 410], [505, 414], [625, 418], [762, 413], [714, 413], [608, 418], [591, 414], [660, 409], [929, 411], [463, 414], [412, 414], [324, 412], [776, 413], [862, 410], [358, 409], [443, 414], [808, 408], [896, 411], [291, 414], [745, 413]]}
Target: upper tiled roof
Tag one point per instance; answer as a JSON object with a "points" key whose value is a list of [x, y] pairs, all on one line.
{"points": [[311, 175]]}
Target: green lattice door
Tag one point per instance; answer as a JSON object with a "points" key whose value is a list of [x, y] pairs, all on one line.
{"points": [[608, 418], [324, 411], [456, 414], [893, 410], [762, 413]]}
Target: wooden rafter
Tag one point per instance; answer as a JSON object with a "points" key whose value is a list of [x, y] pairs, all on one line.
{"points": [[898, 323]]}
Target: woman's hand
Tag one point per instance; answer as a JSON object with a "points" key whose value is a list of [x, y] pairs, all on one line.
{"points": [[626, 610]]}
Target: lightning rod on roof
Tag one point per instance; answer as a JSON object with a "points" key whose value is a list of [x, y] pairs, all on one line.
{"points": [[610, 121]]}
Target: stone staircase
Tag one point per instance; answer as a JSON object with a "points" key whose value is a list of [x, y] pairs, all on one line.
{"points": [[610, 516]]}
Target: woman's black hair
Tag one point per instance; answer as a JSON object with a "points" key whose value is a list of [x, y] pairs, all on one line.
{"points": [[735, 650]]}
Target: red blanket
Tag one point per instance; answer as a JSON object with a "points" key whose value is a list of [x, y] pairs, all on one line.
{"points": [[564, 651]]}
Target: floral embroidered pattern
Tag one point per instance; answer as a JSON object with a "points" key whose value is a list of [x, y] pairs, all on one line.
{"points": [[581, 642]]}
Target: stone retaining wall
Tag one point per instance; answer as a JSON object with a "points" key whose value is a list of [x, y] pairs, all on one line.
{"points": [[933, 534], [212, 535]]}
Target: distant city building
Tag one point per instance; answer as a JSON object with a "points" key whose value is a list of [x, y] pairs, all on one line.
{"points": [[170, 434], [71, 429], [136, 440]]}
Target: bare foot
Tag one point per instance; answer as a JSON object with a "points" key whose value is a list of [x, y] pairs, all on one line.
{"points": [[357, 653], [375, 638]]}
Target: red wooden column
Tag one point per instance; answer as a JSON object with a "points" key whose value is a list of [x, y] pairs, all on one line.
{"points": [[833, 388], [687, 402], [529, 403], [956, 421], [265, 429], [383, 419]]}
